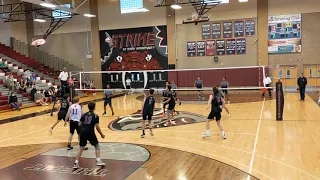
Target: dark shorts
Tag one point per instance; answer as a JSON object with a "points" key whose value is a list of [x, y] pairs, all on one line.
{"points": [[128, 87], [214, 115], [74, 125], [91, 137], [147, 115], [225, 91], [62, 115], [171, 106], [107, 101]]}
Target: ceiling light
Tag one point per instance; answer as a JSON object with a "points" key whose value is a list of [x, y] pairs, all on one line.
{"points": [[176, 6], [89, 15], [39, 20], [243, 0], [143, 10], [48, 5]]}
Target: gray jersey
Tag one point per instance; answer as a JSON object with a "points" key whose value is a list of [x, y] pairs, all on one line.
{"points": [[224, 84], [198, 83], [173, 86]]}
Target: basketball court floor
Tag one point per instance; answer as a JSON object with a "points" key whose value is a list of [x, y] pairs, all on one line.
{"points": [[257, 146]]}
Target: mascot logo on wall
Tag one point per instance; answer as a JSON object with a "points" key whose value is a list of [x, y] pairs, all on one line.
{"points": [[133, 121], [139, 48]]}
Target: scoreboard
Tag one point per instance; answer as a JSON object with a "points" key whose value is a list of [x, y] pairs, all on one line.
{"points": [[284, 33]]}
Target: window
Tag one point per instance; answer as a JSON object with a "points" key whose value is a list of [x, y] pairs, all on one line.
{"points": [[57, 13], [131, 6]]}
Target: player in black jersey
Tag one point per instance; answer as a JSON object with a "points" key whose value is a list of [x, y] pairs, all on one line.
{"points": [[171, 104], [62, 112], [88, 122], [165, 98], [216, 101], [147, 112]]}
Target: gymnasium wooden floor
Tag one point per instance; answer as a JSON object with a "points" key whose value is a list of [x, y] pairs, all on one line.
{"points": [[256, 144]]}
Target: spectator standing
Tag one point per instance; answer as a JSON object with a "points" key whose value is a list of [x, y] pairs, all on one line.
{"points": [[13, 101], [63, 77], [10, 82], [267, 82], [302, 82]]}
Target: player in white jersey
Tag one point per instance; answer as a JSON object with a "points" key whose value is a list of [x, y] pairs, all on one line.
{"points": [[74, 115]]}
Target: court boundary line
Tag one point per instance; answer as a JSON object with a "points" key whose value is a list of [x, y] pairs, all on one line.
{"points": [[256, 139]]}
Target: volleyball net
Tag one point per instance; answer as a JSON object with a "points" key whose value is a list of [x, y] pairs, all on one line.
{"points": [[246, 78], [242, 81]]}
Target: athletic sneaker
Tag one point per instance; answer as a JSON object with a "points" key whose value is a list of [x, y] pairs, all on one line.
{"points": [[142, 135], [104, 114], [229, 115], [151, 133], [228, 102], [51, 131], [112, 113], [180, 103], [224, 136], [69, 147], [75, 166], [100, 163], [206, 134]]}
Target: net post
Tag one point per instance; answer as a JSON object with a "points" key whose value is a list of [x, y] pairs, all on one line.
{"points": [[80, 80]]}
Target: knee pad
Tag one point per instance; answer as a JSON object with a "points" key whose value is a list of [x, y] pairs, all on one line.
{"points": [[97, 147]]}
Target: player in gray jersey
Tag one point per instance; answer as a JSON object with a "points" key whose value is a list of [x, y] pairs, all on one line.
{"points": [[222, 95], [199, 84], [225, 84]]}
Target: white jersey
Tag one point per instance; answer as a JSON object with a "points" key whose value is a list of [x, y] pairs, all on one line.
{"points": [[75, 112]]}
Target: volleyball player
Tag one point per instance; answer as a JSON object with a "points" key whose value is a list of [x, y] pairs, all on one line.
{"points": [[74, 115], [128, 84], [174, 86], [222, 95], [108, 100], [88, 122], [171, 105], [165, 98], [215, 101], [199, 84], [147, 112], [225, 85], [62, 112]]}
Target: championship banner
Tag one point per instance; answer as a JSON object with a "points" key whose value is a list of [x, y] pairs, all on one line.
{"points": [[201, 48], [191, 49], [284, 34], [231, 46], [210, 48], [206, 31], [279, 101], [238, 29], [221, 47], [250, 27], [133, 49], [227, 30], [216, 30], [241, 45]]}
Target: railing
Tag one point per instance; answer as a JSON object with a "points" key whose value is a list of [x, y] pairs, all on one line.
{"points": [[41, 56]]}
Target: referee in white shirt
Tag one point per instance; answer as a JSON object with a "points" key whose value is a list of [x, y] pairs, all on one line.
{"points": [[64, 79], [267, 82]]}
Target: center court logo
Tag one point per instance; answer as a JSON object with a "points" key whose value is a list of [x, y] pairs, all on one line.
{"points": [[133, 121]]}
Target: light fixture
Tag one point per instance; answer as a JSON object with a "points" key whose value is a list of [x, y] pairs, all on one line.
{"points": [[39, 20], [243, 1], [89, 15], [175, 6], [48, 5], [143, 10]]}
